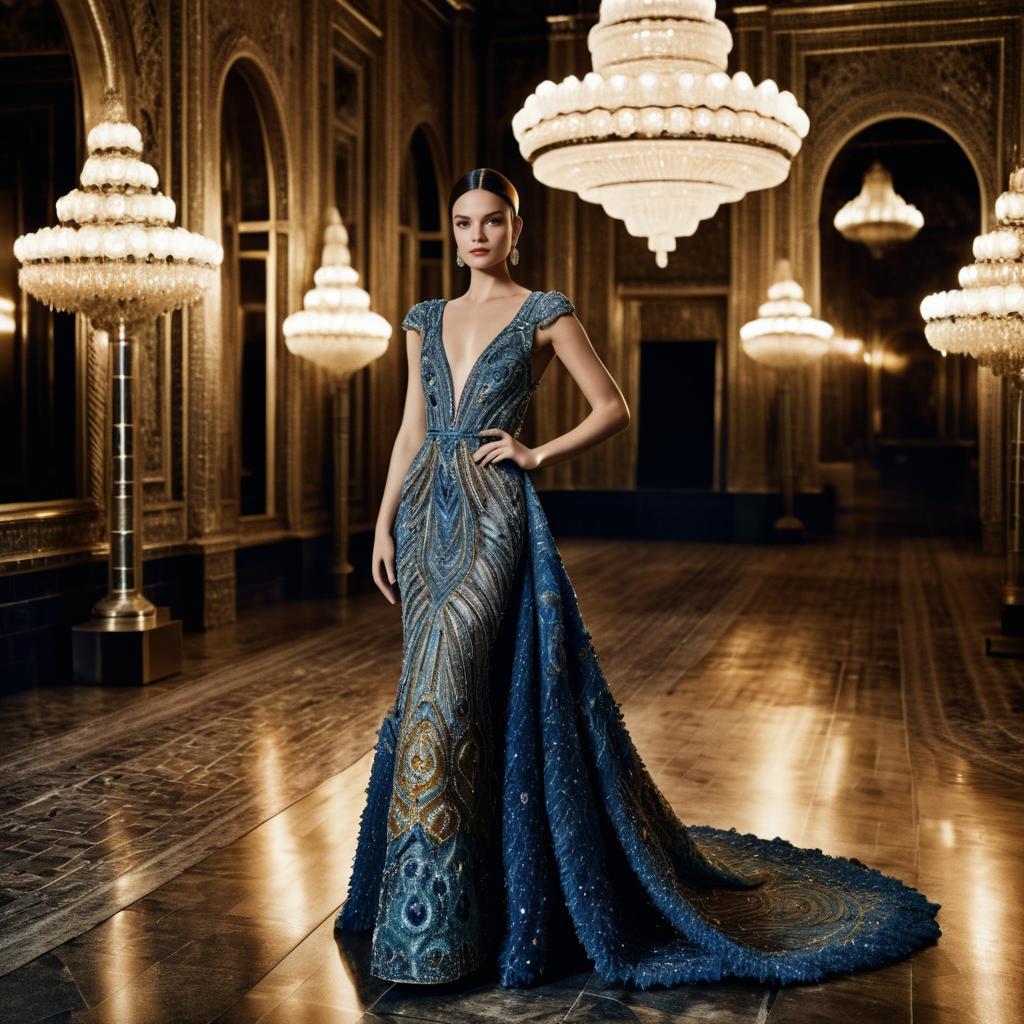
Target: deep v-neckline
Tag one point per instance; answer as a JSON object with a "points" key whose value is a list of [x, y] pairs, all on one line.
{"points": [[456, 404]]}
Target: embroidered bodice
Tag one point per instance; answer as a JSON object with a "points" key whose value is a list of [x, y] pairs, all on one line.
{"points": [[500, 384]]}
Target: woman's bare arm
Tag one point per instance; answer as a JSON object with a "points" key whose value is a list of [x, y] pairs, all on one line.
{"points": [[608, 414], [408, 440]]}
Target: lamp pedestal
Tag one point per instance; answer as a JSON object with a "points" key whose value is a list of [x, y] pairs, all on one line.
{"points": [[1009, 642], [788, 526], [341, 567], [128, 639]]}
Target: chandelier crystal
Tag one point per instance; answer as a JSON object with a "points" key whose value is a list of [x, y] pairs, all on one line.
{"points": [[658, 134], [785, 335], [115, 255], [984, 318], [336, 329], [877, 217]]}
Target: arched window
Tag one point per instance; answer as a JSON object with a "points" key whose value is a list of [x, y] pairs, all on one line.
{"points": [[424, 230], [40, 122], [248, 275]]}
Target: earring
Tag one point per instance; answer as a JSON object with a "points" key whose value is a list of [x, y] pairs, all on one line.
{"points": [[514, 258], [458, 258]]}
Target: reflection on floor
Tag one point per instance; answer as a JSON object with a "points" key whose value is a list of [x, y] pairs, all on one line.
{"points": [[178, 853]]}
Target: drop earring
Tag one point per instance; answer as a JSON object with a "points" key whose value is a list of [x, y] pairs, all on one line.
{"points": [[514, 258], [458, 258]]}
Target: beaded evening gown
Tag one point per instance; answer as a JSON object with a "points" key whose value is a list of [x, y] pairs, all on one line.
{"points": [[507, 806]]}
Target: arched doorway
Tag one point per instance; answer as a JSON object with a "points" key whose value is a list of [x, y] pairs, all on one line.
{"points": [[901, 405]]}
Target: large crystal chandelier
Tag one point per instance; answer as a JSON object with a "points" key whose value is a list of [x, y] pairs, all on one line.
{"points": [[785, 335], [337, 331], [877, 217], [658, 133], [116, 258], [984, 318]]}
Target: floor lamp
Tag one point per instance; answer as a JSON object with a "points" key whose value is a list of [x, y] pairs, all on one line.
{"points": [[116, 259], [337, 331], [984, 318], [786, 337]]}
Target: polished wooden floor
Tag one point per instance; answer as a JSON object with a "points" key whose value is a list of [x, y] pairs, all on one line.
{"points": [[178, 853]]}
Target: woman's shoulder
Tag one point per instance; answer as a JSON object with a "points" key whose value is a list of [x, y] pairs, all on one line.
{"points": [[417, 317], [551, 305]]}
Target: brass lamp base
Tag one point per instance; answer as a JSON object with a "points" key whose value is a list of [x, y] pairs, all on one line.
{"points": [[341, 576], [1001, 646], [120, 654], [789, 528]]}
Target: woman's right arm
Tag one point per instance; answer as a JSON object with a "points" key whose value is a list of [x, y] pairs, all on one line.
{"points": [[408, 441]]}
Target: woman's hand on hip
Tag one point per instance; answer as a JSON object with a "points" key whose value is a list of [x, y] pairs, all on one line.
{"points": [[505, 446]]}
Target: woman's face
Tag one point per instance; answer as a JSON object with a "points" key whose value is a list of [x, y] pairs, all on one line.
{"points": [[485, 227]]}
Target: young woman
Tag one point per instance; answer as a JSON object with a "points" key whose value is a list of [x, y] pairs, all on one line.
{"points": [[507, 806]]}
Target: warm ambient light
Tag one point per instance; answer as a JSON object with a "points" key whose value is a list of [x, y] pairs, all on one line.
{"points": [[878, 217], [851, 348], [658, 133], [336, 328], [785, 335]]}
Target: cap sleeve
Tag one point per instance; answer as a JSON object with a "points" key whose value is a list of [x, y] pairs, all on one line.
{"points": [[552, 306], [416, 319]]}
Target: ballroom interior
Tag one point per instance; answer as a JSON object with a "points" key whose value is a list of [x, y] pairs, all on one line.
{"points": [[802, 564]]}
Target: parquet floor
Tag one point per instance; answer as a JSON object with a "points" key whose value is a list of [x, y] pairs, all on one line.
{"points": [[178, 853]]}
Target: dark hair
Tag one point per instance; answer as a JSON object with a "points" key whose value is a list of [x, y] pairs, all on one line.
{"points": [[492, 181]]}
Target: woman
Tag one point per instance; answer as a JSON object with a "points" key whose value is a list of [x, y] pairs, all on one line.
{"points": [[507, 805]]}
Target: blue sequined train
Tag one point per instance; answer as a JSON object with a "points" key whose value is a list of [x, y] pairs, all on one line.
{"points": [[507, 803]]}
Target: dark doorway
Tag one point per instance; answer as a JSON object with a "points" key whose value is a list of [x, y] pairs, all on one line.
{"points": [[676, 428]]}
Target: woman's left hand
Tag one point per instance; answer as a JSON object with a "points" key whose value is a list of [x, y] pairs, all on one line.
{"points": [[505, 446]]}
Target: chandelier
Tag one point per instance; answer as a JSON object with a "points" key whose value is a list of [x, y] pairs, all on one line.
{"points": [[984, 318], [658, 134], [115, 256], [335, 328], [785, 335], [878, 217]]}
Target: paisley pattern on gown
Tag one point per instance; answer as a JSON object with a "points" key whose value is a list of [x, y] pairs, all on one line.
{"points": [[506, 799]]}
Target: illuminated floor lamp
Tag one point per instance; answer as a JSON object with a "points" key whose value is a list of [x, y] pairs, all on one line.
{"points": [[337, 331], [116, 259], [786, 337], [984, 318]]}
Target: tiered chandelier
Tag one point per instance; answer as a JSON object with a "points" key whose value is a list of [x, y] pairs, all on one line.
{"points": [[785, 335], [877, 217], [335, 328], [658, 133], [984, 318], [115, 256]]}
